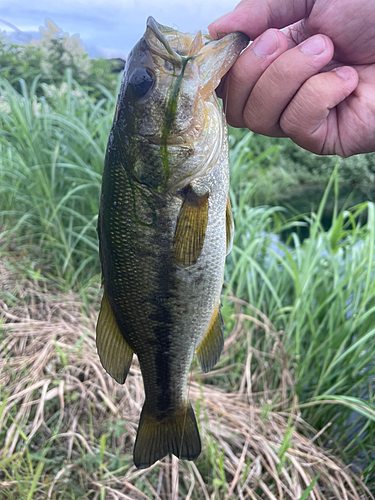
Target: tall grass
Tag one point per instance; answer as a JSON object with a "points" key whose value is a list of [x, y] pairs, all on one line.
{"points": [[51, 160], [320, 293]]}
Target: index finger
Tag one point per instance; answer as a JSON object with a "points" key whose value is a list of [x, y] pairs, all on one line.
{"points": [[253, 17]]}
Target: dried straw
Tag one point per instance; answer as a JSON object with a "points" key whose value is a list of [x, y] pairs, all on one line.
{"points": [[49, 366]]}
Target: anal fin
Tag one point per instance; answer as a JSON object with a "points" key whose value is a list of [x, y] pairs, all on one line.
{"points": [[114, 352], [211, 347], [190, 228]]}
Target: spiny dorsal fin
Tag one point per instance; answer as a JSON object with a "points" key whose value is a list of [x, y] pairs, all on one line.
{"points": [[175, 433], [190, 228], [211, 347], [114, 352], [196, 44], [229, 226]]}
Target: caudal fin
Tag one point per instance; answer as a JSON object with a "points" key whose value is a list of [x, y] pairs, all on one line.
{"points": [[177, 433]]}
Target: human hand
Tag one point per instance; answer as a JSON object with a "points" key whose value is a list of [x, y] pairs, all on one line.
{"points": [[313, 81]]}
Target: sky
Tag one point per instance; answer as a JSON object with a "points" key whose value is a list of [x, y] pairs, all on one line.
{"points": [[108, 28]]}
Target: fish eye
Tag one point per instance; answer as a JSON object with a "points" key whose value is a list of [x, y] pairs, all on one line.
{"points": [[141, 81]]}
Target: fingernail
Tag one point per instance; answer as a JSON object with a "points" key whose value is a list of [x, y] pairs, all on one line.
{"points": [[266, 44], [344, 72], [314, 46]]}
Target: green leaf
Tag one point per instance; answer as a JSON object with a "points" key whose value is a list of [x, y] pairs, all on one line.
{"points": [[309, 489]]}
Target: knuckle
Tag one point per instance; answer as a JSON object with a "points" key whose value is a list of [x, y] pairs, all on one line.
{"points": [[235, 120], [280, 73], [305, 108], [312, 89], [240, 75], [259, 114], [253, 119], [290, 122], [297, 116]]}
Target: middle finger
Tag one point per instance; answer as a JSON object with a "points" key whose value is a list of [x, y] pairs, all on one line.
{"points": [[280, 82]]}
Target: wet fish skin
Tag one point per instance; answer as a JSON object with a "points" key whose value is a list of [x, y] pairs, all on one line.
{"points": [[165, 228]]}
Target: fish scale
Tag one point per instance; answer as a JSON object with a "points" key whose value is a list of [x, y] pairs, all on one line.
{"points": [[165, 228]]}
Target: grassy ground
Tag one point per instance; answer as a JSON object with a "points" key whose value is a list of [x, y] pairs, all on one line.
{"points": [[67, 429], [289, 410]]}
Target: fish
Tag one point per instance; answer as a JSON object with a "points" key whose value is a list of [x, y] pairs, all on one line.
{"points": [[165, 227]]}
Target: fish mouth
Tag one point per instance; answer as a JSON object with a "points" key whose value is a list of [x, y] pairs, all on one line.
{"points": [[177, 45], [157, 29], [214, 57]]}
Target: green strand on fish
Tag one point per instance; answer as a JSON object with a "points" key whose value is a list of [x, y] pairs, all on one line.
{"points": [[169, 119]]}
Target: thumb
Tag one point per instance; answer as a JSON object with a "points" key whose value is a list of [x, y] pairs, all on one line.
{"points": [[253, 17]]}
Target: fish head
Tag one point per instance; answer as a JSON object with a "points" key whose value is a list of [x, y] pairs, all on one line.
{"points": [[162, 112], [152, 72]]}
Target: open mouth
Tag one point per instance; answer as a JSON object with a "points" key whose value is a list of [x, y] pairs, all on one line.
{"points": [[177, 45], [214, 57]]}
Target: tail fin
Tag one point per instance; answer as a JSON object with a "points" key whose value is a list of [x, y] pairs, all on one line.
{"points": [[176, 433]]}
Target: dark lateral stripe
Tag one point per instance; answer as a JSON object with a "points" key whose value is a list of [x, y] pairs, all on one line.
{"points": [[162, 319]]}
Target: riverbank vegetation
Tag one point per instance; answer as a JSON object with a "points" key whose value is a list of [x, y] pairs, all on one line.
{"points": [[288, 413]]}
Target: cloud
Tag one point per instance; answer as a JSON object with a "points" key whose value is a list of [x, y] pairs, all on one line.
{"points": [[114, 7], [112, 26]]}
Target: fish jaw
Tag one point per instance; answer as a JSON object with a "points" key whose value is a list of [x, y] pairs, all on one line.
{"points": [[216, 58], [202, 138]]}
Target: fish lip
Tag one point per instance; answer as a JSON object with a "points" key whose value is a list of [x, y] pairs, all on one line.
{"points": [[217, 57], [154, 27], [237, 41]]}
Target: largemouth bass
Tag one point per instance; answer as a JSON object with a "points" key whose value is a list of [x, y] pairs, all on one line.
{"points": [[165, 227]]}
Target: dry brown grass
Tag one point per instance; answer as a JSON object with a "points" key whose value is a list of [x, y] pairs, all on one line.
{"points": [[59, 408]]}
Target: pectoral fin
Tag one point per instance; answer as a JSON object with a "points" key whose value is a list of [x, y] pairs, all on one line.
{"points": [[190, 228], [114, 352], [229, 226], [211, 347]]}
